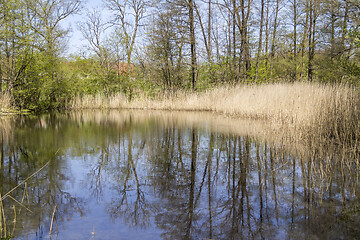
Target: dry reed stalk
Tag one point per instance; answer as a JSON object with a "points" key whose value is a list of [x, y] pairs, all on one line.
{"points": [[14, 221], [3, 231], [93, 233], [52, 221], [22, 205], [1, 218], [25, 194]]}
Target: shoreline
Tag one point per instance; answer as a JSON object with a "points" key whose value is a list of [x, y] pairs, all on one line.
{"points": [[309, 111]]}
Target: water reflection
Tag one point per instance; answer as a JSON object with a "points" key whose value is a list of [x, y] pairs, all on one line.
{"points": [[172, 176]]}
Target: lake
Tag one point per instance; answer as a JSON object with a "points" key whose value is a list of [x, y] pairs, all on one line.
{"points": [[170, 175]]}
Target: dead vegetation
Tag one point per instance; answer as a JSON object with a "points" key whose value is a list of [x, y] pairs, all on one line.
{"points": [[306, 111]]}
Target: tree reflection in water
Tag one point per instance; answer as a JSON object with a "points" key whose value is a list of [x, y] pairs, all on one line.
{"points": [[189, 182], [22, 153]]}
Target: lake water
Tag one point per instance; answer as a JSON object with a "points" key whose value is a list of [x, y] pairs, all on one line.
{"points": [[161, 175]]}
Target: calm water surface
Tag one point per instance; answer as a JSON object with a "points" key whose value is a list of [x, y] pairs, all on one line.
{"points": [[131, 175]]}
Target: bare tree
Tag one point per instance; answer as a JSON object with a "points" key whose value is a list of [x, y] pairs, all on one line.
{"points": [[45, 18], [93, 31], [128, 15]]}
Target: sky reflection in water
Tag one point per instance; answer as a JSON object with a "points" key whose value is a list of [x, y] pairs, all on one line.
{"points": [[145, 175]]}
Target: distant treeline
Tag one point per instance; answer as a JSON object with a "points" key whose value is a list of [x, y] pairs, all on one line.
{"points": [[149, 47]]}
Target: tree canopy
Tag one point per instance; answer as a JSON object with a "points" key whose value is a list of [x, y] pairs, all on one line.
{"points": [[147, 46]]}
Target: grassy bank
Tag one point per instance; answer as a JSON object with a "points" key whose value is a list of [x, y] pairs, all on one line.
{"points": [[306, 111]]}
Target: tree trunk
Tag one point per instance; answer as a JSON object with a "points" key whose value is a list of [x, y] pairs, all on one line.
{"points": [[295, 40], [247, 47], [234, 40], [192, 43], [332, 37], [212, 78], [245, 50], [305, 35], [260, 41], [228, 65], [267, 35], [272, 54], [209, 34], [310, 52], [344, 27]]}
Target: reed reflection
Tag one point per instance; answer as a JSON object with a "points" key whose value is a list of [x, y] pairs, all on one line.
{"points": [[190, 182], [23, 152], [226, 186]]}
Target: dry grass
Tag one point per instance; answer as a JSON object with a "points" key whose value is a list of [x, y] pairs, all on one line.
{"points": [[306, 111], [99, 102]]}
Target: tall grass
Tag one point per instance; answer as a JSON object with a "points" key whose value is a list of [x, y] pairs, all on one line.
{"points": [[98, 102], [309, 111]]}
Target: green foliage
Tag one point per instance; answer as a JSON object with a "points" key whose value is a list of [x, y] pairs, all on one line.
{"points": [[354, 36], [90, 77], [204, 77], [30, 45], [81, 75], [337, 70], [27, 86], [263, 74]]}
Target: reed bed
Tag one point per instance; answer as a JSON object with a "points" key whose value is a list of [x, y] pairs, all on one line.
{"points": [[99, 102], [306, 111]]}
